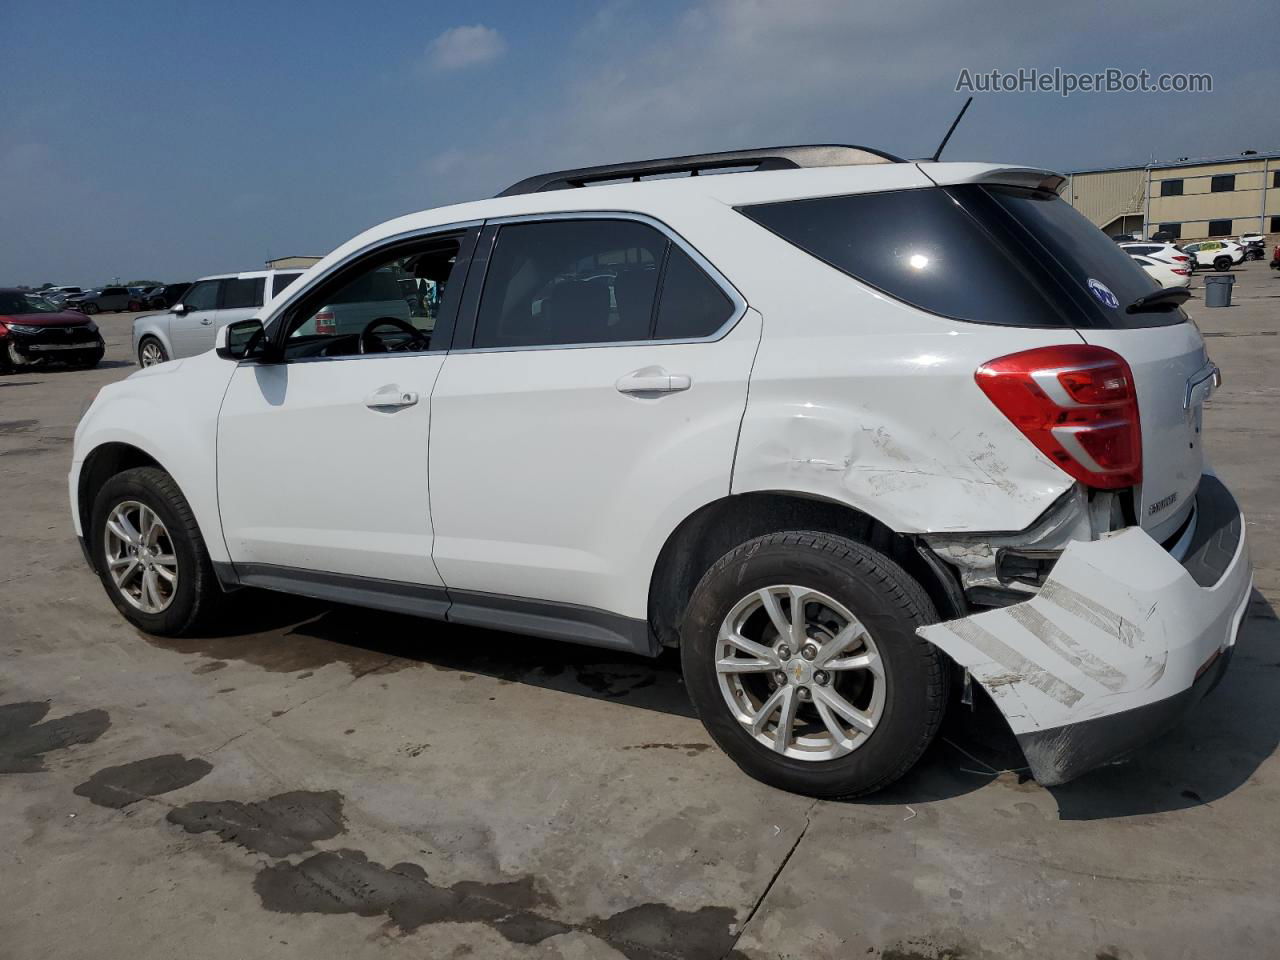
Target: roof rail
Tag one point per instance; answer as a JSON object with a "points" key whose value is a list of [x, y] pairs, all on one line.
{"points": [[763, 158]]}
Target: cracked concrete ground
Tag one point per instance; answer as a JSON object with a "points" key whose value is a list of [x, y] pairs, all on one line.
{"points": [[329, 782]]}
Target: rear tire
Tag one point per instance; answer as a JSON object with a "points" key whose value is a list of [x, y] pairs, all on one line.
{"points": [[193, 597], [1222, 264], [888, 604], [90, 308]]}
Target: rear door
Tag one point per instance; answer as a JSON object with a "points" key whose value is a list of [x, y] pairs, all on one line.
{"points": [[597, 405]]}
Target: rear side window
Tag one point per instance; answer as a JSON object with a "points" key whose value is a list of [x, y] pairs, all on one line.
{"points": [[239, 293], [282, 280], [691, 305], [570, 281], [984, 254]]}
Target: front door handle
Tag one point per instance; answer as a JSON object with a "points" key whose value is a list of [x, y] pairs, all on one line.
{"points": [[652, 381], [206, 320], [390, 397]]}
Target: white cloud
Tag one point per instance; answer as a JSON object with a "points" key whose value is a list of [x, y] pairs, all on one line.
{"points": [[461, 47]]}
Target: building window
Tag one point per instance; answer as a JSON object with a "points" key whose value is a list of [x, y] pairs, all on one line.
{"points": [[1219, 228], [1275, 179], [1223, 183], [1275, 223], [1171, 188], [1174, 230]]}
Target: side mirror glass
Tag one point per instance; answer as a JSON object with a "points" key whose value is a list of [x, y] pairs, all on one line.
{"points": [[178, 308], [237, 340]]}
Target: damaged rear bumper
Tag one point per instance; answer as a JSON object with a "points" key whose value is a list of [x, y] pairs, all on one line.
{"points": [[1120, 641]]}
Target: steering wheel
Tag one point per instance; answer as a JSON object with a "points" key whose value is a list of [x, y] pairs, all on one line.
{"points": [[371, 344]]}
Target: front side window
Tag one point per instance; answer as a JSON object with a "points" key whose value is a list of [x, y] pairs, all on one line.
{"points": [[241, 293], [388, 304], [1223, 183], [202, 296]]}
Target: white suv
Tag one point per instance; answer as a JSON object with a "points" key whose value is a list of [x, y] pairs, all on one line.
{"points": [[704, 412], [191, 325]]}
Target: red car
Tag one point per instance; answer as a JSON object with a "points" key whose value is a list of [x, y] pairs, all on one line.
{"points": [[34, 331], [1275, 258]]}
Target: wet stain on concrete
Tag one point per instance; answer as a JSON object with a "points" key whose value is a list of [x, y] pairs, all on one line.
{"points": [[689, 749], [347, 881], [924, 949], [10, 427], [24, 739], [210, 667], [128, 783], [612, 683], [278, 826], [25, 451]]}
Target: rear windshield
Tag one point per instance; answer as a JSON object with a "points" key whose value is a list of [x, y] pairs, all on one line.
{"points": [[983, 254]]}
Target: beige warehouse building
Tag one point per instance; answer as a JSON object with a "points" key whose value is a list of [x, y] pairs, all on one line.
{"points": [[1191, 199]]}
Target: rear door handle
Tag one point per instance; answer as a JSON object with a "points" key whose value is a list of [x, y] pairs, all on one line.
{"points": [[652, 380], [390, 397]]}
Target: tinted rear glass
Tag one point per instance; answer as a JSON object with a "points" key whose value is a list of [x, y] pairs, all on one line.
{"points": [[997, 255], [238, 293]]}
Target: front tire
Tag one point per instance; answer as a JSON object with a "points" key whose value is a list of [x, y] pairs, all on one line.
{"points": [[150, 554], [817, 631], [150, 352], [1222, 264], [90, 308]]}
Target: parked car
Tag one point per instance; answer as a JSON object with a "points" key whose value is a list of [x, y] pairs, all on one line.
{"points": [[1254, 244], [162, 298], [1275, 258], [189, 325], [1165, 274], [103, 298], [35, 331], [817, 425], [1215, 254], [140, 298], [1161, 252]]}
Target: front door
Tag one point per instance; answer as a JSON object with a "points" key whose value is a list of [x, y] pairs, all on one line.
{"points": [[322, 458], [188, 328], [598, 406]]}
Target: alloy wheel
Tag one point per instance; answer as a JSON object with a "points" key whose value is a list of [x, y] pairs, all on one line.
{"points": [[800, 673], [141, 557], [151, 354]]}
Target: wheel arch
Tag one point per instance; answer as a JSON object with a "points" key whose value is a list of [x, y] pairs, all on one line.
{"points": [[104, 462], [717, 527]]}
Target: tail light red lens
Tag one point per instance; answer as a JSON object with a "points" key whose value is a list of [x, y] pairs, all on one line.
{"points": [[1180, 258], [1077, 404], [4, 331], [325, 323], [1180, 271]]}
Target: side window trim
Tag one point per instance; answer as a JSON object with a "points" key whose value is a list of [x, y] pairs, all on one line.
{"points": [[480, 269]]}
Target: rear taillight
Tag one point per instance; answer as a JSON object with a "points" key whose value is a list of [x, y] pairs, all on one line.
{"points": [[325, 322], [1077, 404], [1180, 259], [1180, 271], [4, 331]]}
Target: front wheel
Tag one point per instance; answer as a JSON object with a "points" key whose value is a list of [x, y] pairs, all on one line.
{"points": [[1222, 264], [90, 308], [150, 352], [150, 554], [800, 655]]}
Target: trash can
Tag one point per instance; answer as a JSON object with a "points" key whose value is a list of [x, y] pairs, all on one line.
{"points": [[1217, 289]]}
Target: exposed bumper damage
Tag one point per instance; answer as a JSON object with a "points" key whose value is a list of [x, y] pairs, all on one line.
{"points": [[1119, 642]]}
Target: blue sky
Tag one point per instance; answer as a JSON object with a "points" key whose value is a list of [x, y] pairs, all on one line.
{"points": [[168, 140]]}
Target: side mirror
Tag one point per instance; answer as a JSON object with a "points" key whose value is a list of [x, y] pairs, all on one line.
{"points": [[237, 340], [178, 308]]}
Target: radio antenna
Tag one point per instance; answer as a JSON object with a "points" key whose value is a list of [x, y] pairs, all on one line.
{"points": [[950, 130]]}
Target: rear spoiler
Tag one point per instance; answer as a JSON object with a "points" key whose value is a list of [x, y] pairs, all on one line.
{"points": [[946, 174]]}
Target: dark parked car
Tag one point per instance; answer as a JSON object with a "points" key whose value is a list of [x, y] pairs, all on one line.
{"points": [[35, 331], [104, 298], [165, 297], [140, 297]]}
